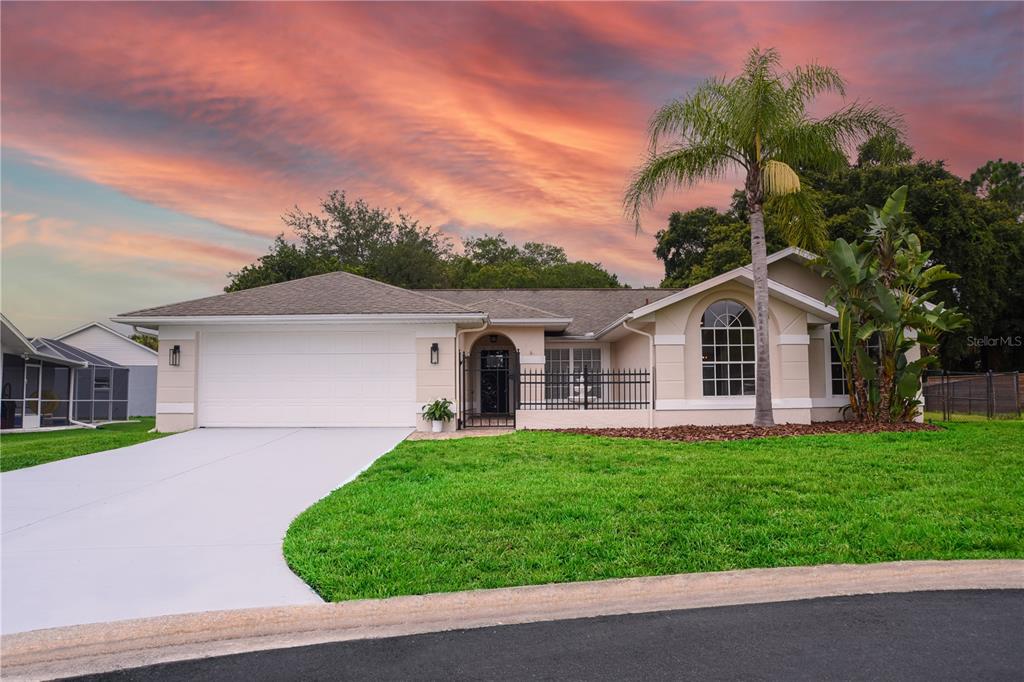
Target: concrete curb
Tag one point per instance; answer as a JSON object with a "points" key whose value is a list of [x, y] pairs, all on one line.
{"points": [[103, 647]]}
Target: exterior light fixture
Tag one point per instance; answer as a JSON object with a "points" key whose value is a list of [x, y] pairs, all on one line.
{"points": [[493, 338], [175, 358], [435, 353]]}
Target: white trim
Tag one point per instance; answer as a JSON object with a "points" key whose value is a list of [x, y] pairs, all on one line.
{"points": [[106, 329], [729, 403], [531, 360], [439, 331], [670, 339], [741, 274], [312, 319], [794, 339], [175, 408], [831, 401], [802, 254], [531, 321]]}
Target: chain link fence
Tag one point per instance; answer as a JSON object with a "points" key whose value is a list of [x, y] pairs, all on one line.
{"points": [[988, 395]]}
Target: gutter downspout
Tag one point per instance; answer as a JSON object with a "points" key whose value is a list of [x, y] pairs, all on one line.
{"points": [[460, 375], [650, 337]]}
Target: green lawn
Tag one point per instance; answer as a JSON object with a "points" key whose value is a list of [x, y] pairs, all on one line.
{"points": [[20, 450], [535, 507]]}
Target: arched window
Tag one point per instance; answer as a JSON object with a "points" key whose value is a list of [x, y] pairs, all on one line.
{"points": [[727, 347]]}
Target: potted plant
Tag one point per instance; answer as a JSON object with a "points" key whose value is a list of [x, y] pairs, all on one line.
{"points": [[438, 412]]}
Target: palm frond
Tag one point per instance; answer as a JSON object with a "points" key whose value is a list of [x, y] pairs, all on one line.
{"points": [[778, 178], [807, 82], [799, 218], [808, 144], [698, 116], [680, 166], [857, 121]]}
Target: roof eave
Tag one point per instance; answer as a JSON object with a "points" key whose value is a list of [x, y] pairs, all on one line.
{"points": [[554, 323], [106, 329], [311, 319]]}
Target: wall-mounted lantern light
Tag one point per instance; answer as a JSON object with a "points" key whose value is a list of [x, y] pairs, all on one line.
{"points": [[175, 358], [435, 354]]}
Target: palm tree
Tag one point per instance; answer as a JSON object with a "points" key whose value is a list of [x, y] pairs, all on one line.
{"points": [[757, 122]]}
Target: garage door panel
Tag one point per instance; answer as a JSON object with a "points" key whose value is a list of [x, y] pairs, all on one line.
{"points": [[320, 378]]}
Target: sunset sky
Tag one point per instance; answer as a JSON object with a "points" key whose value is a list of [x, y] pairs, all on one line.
{"points": [[148, 149]]}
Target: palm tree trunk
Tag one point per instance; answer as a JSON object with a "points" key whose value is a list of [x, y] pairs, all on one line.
{"points": [[762, 368]]}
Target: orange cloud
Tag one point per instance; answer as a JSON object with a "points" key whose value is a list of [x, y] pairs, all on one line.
{"points": [[517, 117]]}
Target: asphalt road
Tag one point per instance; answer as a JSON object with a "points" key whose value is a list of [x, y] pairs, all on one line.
{"points": [[974, 635]]}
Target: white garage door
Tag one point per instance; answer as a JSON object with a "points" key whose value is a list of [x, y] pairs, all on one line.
{"points": [[321, 377]]}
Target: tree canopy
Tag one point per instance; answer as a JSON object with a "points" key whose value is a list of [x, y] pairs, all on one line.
{"points": [[395, 248], [967, 225]]}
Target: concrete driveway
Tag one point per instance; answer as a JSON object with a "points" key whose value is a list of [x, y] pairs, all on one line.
{"points": [[191, 522]]}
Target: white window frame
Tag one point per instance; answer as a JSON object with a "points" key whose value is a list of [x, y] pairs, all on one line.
{"points": [[597, 392], [875, 342], [714, 362]]}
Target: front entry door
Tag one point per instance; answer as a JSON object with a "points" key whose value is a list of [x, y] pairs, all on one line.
{"points": [[494, 380]]}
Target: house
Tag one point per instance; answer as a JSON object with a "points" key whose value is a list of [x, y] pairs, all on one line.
{"points": [[47, 383], [141, 361], [342, 350]]}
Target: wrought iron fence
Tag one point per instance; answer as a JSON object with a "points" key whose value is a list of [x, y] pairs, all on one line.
{"points": [[990, 394], [606, 389]]}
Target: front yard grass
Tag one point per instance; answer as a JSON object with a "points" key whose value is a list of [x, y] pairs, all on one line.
{"points": [[20, 450], [536, 507]]}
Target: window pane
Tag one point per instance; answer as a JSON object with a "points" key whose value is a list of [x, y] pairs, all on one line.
{"points": [[727, 349], [83, 411], [120, 381], [54, 413], [14, 377], [10, 414], [31, 382], [83, 384]]}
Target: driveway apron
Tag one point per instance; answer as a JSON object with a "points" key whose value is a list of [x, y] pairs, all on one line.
{"points": [[190, 522]]}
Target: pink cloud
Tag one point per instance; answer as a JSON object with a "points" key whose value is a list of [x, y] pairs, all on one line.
{"points": [[522, 118]]}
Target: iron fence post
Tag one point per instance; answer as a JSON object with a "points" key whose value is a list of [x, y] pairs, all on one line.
{"points": [[991, 404], [1016, 390], [585, 391]]}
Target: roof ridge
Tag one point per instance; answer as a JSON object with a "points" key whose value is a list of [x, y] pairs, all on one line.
{"points": [[333, 273], [554, 289], [417, 292], [518, 305]]}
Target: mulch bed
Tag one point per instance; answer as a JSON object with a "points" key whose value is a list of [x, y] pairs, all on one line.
{"points": [[745, 431]]}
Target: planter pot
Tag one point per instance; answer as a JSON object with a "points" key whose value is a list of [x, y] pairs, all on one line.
{"points": [[437, 426]]}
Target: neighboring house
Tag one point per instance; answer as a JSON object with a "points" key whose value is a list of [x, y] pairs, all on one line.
{"points": [[101, 340], [47, 383], [342, 350]]}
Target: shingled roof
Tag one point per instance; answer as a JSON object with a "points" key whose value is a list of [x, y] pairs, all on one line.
{"points": [[335, 293], [591, 310]]}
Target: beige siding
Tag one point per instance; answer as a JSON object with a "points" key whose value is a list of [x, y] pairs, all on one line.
{"points": [[529, 341], [176, 386], [632, 351], [799, 277], [679, 367], [434, 382]]}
